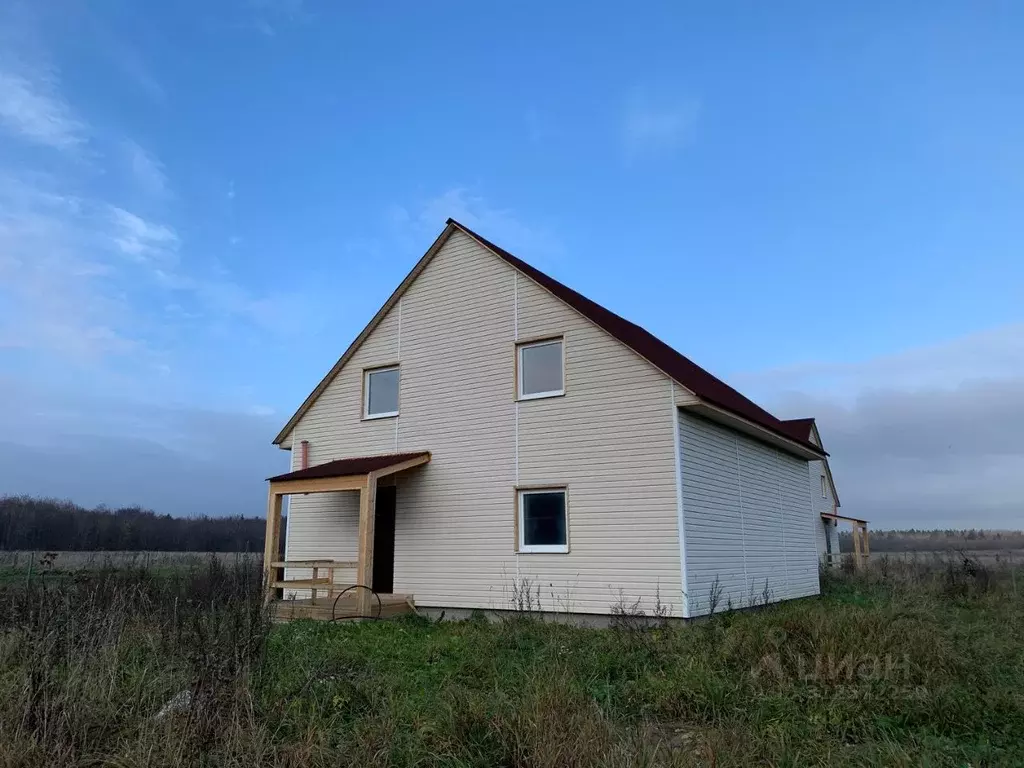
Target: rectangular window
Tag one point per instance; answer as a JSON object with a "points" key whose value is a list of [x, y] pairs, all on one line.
{"points": [[543, 523], [380, 393], [824, 488], [540, 369]]}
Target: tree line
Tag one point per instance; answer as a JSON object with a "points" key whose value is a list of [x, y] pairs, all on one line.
{"points": [[34, 524], [917, 540], [28, 523]]}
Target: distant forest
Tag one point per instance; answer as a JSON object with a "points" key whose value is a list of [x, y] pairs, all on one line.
{"points": [[33, 524], [914, 540], [28, 523]]}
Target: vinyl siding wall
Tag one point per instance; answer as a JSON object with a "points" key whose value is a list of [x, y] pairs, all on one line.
{"points": [[821, 504], [609, 440], [749, 526]]}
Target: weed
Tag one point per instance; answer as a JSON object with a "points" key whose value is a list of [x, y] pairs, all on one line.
{"points": [[907, 663]]}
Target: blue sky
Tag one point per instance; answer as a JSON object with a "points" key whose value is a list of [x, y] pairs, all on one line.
{"points": [[202, 203]]}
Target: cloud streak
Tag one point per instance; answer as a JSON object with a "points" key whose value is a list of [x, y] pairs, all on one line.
{"points": [[657, 125], [417, 224], [101, 450], [140, 239], [146, 169], [31, 108], [923, 438]]}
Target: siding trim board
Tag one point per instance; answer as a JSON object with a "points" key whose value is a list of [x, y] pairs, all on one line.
{"points": [[739, 508], [680, 507], [782, 520]]}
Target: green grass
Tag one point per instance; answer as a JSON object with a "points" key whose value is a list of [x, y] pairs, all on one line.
{"points": [[906, 665]]}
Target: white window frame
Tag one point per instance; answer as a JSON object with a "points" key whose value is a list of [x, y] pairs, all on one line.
{"points": [[366, 392], [824, 488], [522, 546], [519, 369]]}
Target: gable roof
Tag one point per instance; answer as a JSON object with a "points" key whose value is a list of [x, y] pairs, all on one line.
{"points": [[649, 347], [807, 429], [654, 350], [800, 429]]}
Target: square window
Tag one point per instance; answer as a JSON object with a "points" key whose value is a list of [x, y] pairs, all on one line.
{"points": [[380, 393], [540, 370], [543, 524]]}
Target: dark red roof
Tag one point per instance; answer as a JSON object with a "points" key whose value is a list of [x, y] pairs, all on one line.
{"points": [[645, 344], [799, 428], [345, 467]]}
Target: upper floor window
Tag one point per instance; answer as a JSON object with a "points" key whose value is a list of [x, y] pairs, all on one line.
{"points": [[824, 488], [541, 371], [380, 392]]}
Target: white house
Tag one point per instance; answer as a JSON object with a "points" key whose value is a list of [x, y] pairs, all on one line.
{"points": [[824, 497], [493, 440]]}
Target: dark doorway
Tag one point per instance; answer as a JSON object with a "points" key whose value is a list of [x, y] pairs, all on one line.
{"points": [[384, 541]]}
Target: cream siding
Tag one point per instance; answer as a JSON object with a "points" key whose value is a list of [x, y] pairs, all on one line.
{"points": [[826, 503], [609, 440], [749, 527]]}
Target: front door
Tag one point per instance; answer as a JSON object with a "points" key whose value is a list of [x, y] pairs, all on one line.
{"points": [[384, 541]]}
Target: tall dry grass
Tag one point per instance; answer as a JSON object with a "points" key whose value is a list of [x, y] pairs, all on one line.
{"points": [[87, 659], [905, 664]]}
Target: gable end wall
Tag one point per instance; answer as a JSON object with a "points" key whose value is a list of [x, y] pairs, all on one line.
{"points": [[609, 440]]}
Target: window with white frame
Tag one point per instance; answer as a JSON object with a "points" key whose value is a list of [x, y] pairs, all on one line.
{"points": [[380, 392], [543, 520], [824, 488], [541, 371]]}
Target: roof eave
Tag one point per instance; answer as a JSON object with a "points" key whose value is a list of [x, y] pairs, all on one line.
{"points": [[358, 341], [727, 418]]}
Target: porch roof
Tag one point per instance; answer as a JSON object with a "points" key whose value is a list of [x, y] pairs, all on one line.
{"points": [[359, 465], [358, 474], [833, 516]]}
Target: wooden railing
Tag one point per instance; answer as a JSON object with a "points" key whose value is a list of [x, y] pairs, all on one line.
{"points": [[316, 582]]}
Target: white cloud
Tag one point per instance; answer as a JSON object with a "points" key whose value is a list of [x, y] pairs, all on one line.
{"points": [[146, 169], [68, 292], [142, 239], [656, 125], [922, 438], [500, 225], [272, 15], [56, 290], [32, 108], [105, 449], [994, 353]]}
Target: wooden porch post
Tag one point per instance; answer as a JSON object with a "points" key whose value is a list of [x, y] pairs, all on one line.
{"points": [[364, 575], [858, 561], [271, 540]]}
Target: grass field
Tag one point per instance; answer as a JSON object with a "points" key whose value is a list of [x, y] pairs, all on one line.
{"points": [[77, 561], [907, 664]]}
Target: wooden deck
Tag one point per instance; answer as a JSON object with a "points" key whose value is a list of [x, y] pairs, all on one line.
{"points": [[347, 609]]}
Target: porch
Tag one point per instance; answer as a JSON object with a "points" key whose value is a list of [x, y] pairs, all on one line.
{"points": [[861, 543], [328, 599]]}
